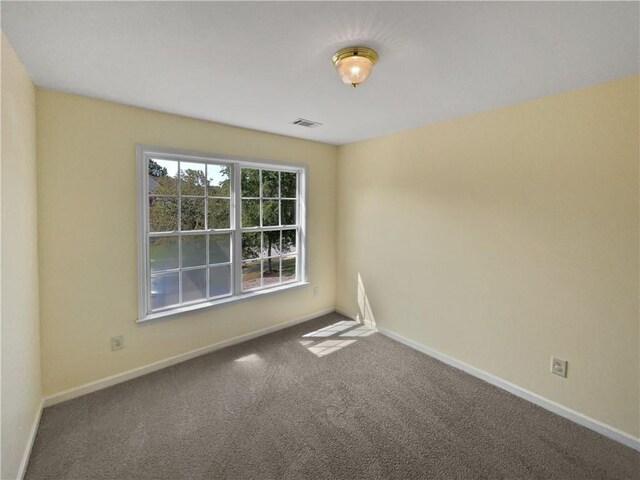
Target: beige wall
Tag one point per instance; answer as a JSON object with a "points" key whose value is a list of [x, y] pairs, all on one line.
{"points": [[88, 266], [19, 272], [505, 237]]}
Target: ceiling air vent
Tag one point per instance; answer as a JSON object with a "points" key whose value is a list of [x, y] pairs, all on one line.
{"points": [[306, 123]]}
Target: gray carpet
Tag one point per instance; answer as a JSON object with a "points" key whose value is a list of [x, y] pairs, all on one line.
{"points": [[341, 403]]}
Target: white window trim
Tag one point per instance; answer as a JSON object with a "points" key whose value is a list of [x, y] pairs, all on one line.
{"points": [[143, 153]]}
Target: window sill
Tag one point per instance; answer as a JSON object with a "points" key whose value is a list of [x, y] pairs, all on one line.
{"points": [[220, 301]]}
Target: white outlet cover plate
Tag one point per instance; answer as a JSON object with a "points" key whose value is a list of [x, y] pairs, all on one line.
{"points": [[559, 366], [117, 343]]}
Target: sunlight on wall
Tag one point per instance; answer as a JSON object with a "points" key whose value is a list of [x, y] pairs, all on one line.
{"points": [[364, 308]]}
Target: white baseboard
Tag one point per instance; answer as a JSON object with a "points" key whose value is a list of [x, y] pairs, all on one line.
{"points": [[152, 367], [22, 469], [577, 417]]}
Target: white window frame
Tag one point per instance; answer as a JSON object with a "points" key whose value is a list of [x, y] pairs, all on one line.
{"points": [[146, 152]]}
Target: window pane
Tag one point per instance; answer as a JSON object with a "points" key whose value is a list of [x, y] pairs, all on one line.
{"points": [[288, 241], [163, 253], [270, 213], [194, 285], [288, 212], [250, 213], [250, 182], [288, 269], [219, 213], [164, 290], [271, 243], [193, 178], [219, 281], [270, 183], [271, 271], [194, 250], [192, 213], [218, 178], [163, 177], [250, 245], [251, 275], [163, 214], [288, 184], [219, 248]]}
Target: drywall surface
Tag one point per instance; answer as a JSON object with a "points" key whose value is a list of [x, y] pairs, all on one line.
{"points": [[503, 238], [21, 395], [88, 226]]}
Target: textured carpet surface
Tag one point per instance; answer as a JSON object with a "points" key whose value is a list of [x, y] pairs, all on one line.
{"points": [[324, 399]]}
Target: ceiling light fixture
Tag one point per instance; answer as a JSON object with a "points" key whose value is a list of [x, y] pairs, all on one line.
{"points": [[354, 64]]}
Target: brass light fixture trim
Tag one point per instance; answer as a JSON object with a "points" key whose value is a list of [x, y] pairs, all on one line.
{"points": [[354, 64], [366, 52]]}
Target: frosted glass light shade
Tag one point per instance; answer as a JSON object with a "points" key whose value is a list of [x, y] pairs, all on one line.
{"points": [[354, 64], [354, 70]]}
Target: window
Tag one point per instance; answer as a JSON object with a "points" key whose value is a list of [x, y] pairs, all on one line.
{"points": [[216, 229]]}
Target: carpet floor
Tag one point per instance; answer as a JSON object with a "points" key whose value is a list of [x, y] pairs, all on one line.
{"points": [[326, 399]]}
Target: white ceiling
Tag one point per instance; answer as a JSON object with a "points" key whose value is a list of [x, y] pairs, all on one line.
{"points": [[261, 65]]}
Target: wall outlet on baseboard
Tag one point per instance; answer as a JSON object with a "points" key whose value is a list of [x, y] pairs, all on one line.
{"points": [[559, 367], [117, 343]]}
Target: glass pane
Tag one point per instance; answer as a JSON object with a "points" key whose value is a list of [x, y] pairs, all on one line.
{"points": [[270, 213], [288, 185], [219, 213], [194, 250], [194, 285], [288, 241], [164, 290], [219, 281], [250, 245], [270, 183], [192, 213], [163, 177], [163, 214], [288, 212], [218, 178], [271, 243], [250, 182], [250, 213], [271, 271], [288, 269], [193, 178], [163, 253], [251, 275], [220, 248]]}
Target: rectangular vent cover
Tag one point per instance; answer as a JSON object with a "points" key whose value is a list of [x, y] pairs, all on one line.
{"points": [[306, 123]]}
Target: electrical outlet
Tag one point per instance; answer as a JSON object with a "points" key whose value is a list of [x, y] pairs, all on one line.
{"points": [[559, 367], [117, 343], [316, 292]]}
